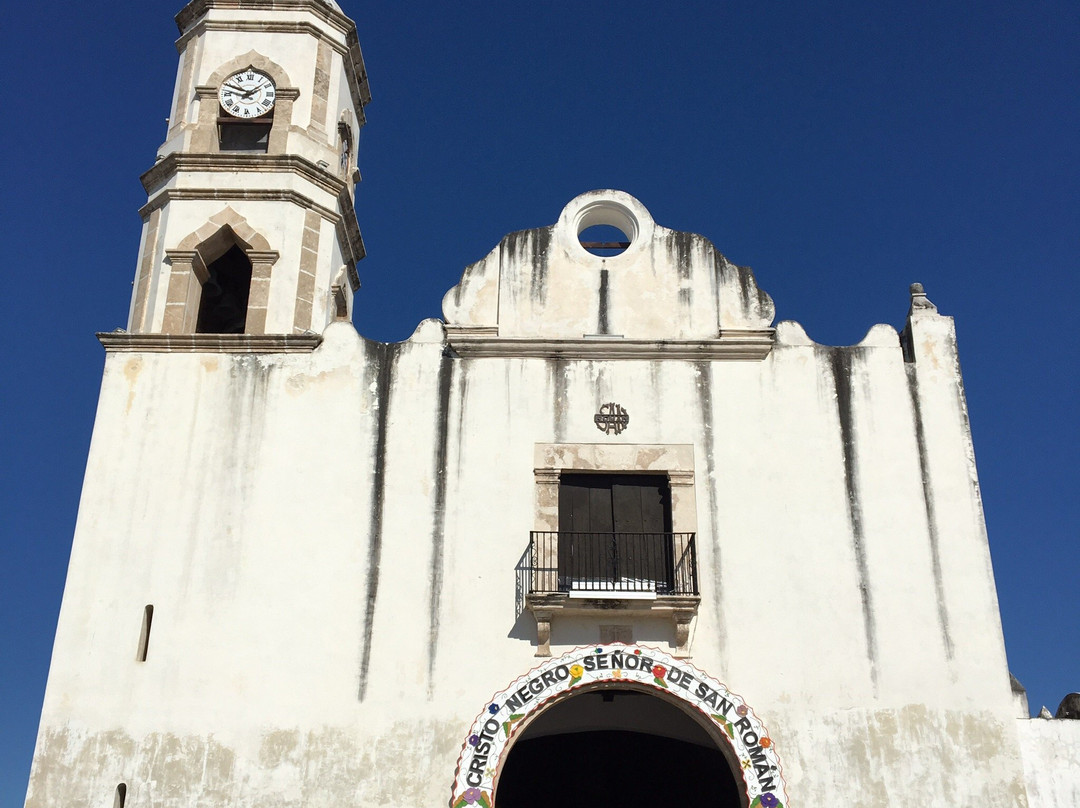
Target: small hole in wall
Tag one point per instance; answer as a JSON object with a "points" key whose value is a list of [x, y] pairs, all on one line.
{"points": [[604, 240], [121, 795], [144, 636]]}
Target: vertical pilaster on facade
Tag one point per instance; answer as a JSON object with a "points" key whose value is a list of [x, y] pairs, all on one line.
{"points": [[947, 455], [262, 264], [546, 554], [187, 69], [204, 137], [320, 96], [279, 133], [683, 500], [186, 272], [140, 308], [547, 498], [305, 280]]}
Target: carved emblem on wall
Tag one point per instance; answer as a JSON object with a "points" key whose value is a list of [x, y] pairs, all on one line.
{"points": [[612, 418]]}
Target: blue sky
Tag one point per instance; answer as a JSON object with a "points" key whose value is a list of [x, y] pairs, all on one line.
{"points": [[841, 149]]}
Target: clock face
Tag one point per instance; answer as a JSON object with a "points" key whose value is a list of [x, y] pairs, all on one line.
{"points": [[247, 94]]}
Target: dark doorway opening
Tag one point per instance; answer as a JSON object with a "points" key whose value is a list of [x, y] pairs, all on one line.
{"points": [[224, 300], [616, 747]]}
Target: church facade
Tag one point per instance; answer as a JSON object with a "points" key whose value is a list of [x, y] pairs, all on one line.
{"points": [[603, 534]]}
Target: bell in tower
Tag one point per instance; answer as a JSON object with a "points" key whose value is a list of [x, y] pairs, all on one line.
{"points": [[249, 226]]}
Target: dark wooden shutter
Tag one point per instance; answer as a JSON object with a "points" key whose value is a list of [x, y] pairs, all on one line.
{"points": [[585, 519], [613, 531], [642, 518]]}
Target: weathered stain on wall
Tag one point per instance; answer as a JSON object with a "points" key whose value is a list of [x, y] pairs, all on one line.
{"points": [[331, 541]]}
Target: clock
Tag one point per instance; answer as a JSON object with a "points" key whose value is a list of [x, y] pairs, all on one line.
{"points": [[247, 94]]}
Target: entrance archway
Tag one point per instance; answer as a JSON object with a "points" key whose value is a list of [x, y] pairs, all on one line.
{"points": [[604, 722], [603, 745]]}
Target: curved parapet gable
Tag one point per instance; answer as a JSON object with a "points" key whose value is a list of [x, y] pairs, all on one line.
{"points": [[656, 290]]}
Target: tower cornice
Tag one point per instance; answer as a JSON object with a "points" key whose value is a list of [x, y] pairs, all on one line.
{"points": [[122, 342], [191, 21], [241, 162], [321, 9]]}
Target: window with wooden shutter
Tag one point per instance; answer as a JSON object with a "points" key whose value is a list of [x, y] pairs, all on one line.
{"points": [[615, 533]]}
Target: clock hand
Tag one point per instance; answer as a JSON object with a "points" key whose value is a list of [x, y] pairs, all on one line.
{"points": [[243, 93]]}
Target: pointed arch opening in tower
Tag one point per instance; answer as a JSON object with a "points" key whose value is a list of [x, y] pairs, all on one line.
{"points": [[219, 279], [223, 304]]}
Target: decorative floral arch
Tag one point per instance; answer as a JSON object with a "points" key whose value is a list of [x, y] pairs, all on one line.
{"points": [[489, 739]]}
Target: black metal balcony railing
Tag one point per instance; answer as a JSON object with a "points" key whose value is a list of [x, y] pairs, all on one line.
{"points": [[663, 563]]}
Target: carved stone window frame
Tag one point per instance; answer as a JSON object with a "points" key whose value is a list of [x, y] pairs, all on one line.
{"points": [[676, 462], [188, 263], [205, 138]]}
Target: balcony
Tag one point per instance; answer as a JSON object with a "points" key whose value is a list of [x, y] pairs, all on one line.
{"points": [[602, 564], [580, 572]]}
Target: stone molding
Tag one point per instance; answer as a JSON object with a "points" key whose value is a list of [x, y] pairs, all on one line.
{"points": [[547, 476], [237, 194], [680, 477], [349, 236], [252, 59], [232, 162], [253, 241], [187, 272], [262, 27], [546, 606], [122, 342], [190, 256], [190, 13], [476, 342], [205, 92]]}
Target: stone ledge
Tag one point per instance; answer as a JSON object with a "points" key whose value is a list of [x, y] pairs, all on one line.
{"points": [[472, 342], [197, 8], [160, 199], [350, 237], [233, 162], [545, 606], [115, 342]]}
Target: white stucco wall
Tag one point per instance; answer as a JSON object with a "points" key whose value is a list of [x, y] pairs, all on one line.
{"points": [[329, 541], [332, 540], [1051, 751]]}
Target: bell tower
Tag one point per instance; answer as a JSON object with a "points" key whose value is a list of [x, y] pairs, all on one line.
{"points": [[249, 226]]}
